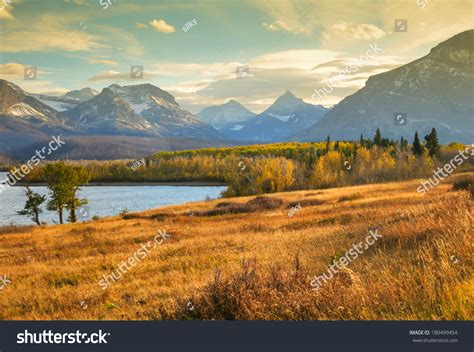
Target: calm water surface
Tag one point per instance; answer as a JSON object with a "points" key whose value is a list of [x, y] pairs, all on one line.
{"points": [[106, 200]]}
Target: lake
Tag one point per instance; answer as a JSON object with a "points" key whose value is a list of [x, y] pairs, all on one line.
{"points": [[105, 200]]}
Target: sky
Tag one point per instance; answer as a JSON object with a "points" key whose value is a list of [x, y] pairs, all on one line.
{"points": [[192, 49]]}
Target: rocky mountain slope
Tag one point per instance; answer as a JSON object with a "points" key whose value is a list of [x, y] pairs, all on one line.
{"points": [[137, 110], [436, 90], [142, 112], [285, 117], [227, 115]]}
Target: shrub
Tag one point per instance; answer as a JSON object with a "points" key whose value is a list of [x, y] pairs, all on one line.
{"points": [[265, 203], [306, 203], [129, 216], [259, 203], [350, 197], [465, 183]]}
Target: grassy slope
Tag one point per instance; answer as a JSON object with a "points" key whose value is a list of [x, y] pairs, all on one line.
{"points": [[408, 274]]}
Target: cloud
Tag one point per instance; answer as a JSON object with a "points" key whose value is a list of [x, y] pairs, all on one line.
{"points": [[300, 71], [11, 69], [301, 59], [4, 13], [297, 17], [280, 25], [117, 76], [77, 2], [141, 26], [102, 62], [14, 72], [41, 87], [161, 26], [348, 30], [28, 41]]}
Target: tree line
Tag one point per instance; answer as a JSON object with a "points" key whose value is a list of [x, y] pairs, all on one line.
{"points": [[255, 169]]}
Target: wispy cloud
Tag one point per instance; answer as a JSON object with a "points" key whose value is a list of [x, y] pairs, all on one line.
{"points": [[351, 31], [27, 41], [102, 62], [300, 71], [141, 26], [5, 13], [77, 2], [11, 69], [113, 76], [280, 25]]}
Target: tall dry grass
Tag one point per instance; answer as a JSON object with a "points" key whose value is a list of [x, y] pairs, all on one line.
{"points": [[420, 269], [256, 262]]}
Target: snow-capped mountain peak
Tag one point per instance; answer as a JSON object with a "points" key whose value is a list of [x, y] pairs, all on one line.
{"points": [[283, 118], [225, 115], [143, 108]]}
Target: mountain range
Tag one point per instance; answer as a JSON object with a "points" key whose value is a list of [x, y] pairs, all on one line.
{"points": [[285, 117], [142, 111], [433, 91]]}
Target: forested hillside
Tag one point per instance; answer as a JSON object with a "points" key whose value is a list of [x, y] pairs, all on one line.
{"points": [[278, 167]]}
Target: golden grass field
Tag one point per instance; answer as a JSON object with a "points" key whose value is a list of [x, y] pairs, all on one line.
{"points": [[420, 269]]}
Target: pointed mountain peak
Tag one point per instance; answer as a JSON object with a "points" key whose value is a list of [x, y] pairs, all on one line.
{"points": [[287, 101], [226, 114], [232, 102], [289, 96]]}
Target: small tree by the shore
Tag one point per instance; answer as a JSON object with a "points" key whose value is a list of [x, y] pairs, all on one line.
{"points": [[63, 182], [33, 205]]}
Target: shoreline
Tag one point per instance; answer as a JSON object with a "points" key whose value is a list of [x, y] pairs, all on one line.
{"points": [[126, 184]]}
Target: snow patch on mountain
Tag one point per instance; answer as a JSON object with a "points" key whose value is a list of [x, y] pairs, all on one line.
{"points": [[280, 117], [237, 128], [25, 110]]}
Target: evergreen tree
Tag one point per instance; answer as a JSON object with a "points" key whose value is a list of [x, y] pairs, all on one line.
{"points": [[378, 138], [328, 143], [432, 143], [336, 146], [33, 205], [417, 148], [361, 141]]}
